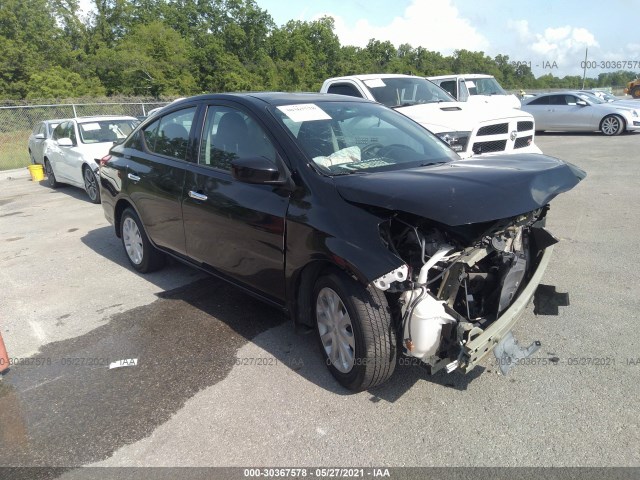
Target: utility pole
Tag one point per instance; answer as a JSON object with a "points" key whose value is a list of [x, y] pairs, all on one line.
{"points": [[584, 71]]}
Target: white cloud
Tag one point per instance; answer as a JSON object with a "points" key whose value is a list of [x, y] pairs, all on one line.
{"points": [[422, 24], [564, 45]]}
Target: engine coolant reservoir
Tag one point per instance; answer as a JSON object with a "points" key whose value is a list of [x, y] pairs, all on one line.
{"points": [[425, 325]]}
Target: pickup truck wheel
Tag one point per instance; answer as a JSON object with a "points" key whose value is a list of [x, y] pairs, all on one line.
{"points": [[612, 125], [143, 256], [355, 331], [51, 177]]}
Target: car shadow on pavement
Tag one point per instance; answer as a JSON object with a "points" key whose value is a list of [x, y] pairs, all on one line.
{"points": [[70, 190], [104, 242]]}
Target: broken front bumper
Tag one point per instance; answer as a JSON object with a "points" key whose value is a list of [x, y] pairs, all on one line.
{"points": [[479, 346]]}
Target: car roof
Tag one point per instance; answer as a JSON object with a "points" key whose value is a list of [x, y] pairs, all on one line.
{"points": [[461, 75], [272, 98], [97, 118], [373, 76]]}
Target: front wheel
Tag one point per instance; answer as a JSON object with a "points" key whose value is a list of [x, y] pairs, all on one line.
{"points": [[91, 185], [143, 256], [635, 93], [612, 125], [355, 331]]}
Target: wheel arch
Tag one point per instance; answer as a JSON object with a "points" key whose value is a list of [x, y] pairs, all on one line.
{"points": [[121, 206]]}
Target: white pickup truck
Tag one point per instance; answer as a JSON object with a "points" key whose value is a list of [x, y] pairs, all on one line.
{"points": [[476, 87], [468, 128]]}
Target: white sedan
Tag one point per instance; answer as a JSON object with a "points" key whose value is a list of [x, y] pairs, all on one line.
{"points": [[73, 154], [576, 111]]}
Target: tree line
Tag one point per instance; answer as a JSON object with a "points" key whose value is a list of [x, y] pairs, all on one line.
{"points": [[169, 48]]}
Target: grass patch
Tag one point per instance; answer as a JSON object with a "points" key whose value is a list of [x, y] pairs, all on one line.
{"points": [[14, 151]]}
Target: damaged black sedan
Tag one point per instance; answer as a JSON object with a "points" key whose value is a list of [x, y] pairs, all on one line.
{"points": [[355, 220]]}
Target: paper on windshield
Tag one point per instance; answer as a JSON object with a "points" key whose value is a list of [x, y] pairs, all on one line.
{"points": [[304, 112], [375, 83], [88, 127]]}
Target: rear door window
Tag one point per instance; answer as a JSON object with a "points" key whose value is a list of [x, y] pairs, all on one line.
{"points": [[169, 135]]}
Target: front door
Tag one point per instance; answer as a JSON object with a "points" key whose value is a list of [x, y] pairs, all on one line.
{"points": [[235, 228]]}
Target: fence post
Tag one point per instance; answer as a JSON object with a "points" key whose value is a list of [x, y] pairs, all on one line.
{"points": [[75, 114]]}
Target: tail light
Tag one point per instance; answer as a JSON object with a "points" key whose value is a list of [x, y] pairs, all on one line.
{"points": [[104, 160]]}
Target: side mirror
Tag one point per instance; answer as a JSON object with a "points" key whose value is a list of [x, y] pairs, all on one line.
{"points": [[582, 103], [65, 142], [39, 136], [256, 170]]}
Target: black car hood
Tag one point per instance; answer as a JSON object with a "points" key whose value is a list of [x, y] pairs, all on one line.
{"points": [[465, 191]]}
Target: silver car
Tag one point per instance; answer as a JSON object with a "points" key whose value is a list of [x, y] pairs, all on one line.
{"points": [[577, 111], [42, 132]]}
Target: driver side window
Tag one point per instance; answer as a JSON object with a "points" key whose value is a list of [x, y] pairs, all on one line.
{"points": [[230, 133]]}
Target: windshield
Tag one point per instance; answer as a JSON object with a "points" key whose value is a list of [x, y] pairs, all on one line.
{"points": [[352, 137], [591, 98], [484, 86], [406, 91], [105, 130]]}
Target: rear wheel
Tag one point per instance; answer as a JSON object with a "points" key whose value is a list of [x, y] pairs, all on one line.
{"points": [[143, 256], [91, 184], [355, 331], [611, 125], [51, 177], [635, 92]]}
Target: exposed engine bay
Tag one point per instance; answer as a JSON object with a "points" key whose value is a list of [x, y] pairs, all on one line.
{"points": [[458, 280]]}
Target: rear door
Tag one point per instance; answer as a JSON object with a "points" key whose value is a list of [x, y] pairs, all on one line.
{"points": [[155, 176], [235, 228]]}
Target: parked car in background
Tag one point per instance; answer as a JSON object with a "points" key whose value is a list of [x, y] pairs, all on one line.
{"points": [[576, 111], [72, 155], [469, 128], [42, 132], [351, 217], [475, 87], [612, 99]]}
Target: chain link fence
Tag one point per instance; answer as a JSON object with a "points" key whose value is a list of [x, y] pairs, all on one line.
{"points": [[17, 122]]}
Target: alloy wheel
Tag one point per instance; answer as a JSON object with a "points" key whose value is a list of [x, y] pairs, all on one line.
{"points": [[90, 184], [611, 125]]}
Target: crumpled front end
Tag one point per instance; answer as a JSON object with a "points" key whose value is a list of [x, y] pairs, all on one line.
{"points": [[464, 286]]}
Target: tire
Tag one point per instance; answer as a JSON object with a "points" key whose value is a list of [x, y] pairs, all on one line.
{"points": [[611, 125], [364, 329], [143, 256], [51, 177], [91, 185], [635, 92]]}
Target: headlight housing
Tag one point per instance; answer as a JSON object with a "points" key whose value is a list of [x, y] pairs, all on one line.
{"points": [[458, 141]]}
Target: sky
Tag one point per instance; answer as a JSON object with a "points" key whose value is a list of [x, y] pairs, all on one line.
{"points": [[550, 36]]}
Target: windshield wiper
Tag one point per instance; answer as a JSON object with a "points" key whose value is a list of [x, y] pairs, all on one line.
{"points": [[428, 164]]}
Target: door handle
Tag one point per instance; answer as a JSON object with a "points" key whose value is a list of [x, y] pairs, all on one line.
{"points": [[133, 178], [198, 196]]}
